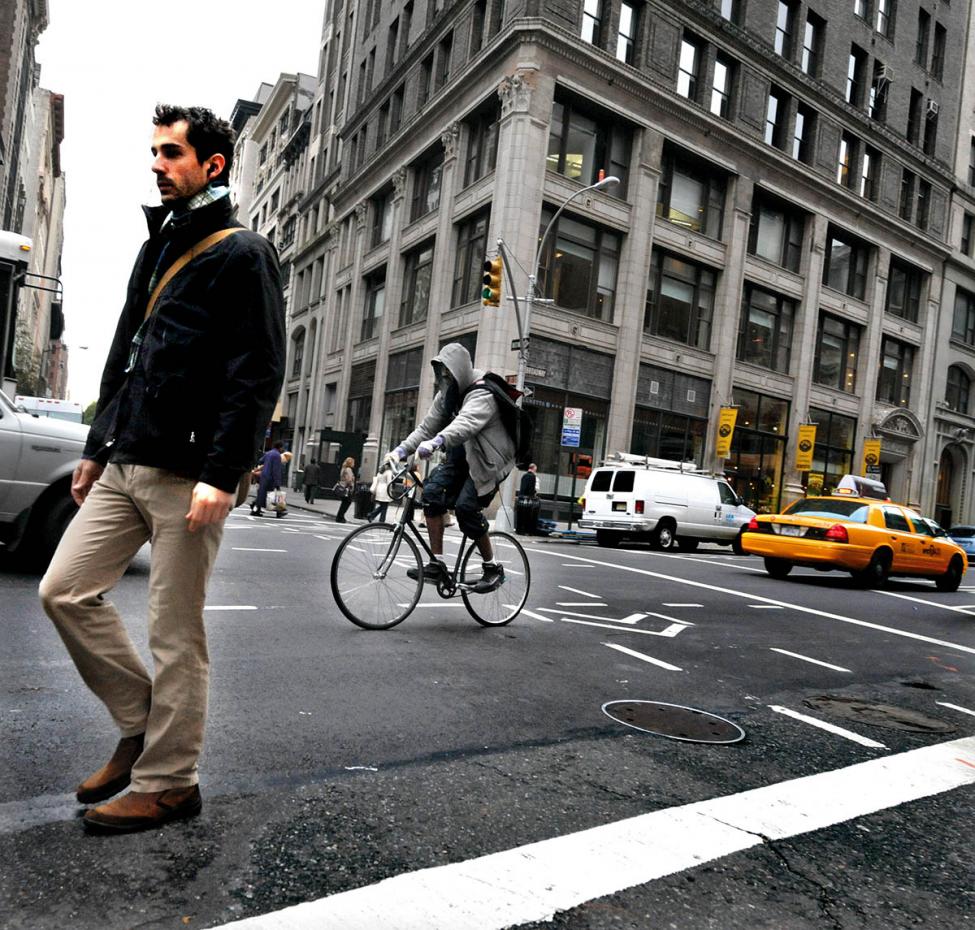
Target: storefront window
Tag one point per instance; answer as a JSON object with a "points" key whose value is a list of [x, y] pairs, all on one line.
{"points": [[833, 452], [754, 467]]}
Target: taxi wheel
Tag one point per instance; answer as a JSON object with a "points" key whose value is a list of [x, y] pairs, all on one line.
{"points": [[876, 572], [950, 580], [778, 568]]}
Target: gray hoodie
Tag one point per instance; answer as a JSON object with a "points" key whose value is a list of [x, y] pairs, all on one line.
{"points": [[477, 425]]}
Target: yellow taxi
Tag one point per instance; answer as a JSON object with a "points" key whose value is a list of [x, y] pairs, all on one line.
{"points": [[858, 530]]}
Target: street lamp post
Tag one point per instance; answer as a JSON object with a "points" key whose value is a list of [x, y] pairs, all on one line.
{"points": [[503, 521]]}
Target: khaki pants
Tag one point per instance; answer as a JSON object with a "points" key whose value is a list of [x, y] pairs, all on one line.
{"points": [[128, 506]]}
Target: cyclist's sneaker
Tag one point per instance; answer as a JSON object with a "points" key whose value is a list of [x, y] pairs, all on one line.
{"points": [[491, 580], [433, 572]]}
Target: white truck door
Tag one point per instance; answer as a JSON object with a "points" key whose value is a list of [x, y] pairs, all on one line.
{"points": [[11, 442]]}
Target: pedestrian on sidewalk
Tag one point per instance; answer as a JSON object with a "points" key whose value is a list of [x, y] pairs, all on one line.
{"points": [[346, 487], [272, 475], [380, 493], [310, 481], [191, 380]]}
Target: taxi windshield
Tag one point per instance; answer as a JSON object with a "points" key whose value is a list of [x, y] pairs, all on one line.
{"points": [[855, 511]]}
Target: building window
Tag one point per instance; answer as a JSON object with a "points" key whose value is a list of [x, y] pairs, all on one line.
{"points": [[930, 132], [417, 271], [885, 18], [671, 415], [837, 353], [626, 39], [846, 161], [592, 22], [730, 10], [923, 203], [967, 233], [765, 331], [468, 267], [392, 44], [382, 125], [680, 300], [426, 80], [856, 76], [861, 8], [963, 320], [362, 378], [689, 69], [578, 266], [721, 86], [812, 44], [775, 118], [907, 195], [758, 449], [904, 290], [896, 364], [396, 110], [869, 173], [298, 354], [938, 52], [958, 389], [584, 140], [691, 194], [923, 31], [879, 88], [427, 174], [477, 26], [914, 117], [382, 218], [482, 144], [845, 268], [402, 389], [775, 233], [444, 50], [833, 451], [784, 27], [804, 134], [971, 162], [375, 304]]}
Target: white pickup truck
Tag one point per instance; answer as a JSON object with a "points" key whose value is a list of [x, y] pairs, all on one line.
{"points": [[37, 458]]}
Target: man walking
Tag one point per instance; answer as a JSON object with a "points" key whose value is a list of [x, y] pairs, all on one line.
{"points": [[310, 480], [188, 388]]}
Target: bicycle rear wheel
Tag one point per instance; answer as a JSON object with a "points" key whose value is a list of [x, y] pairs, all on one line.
{"points": [[369, 580], [502, 605]]}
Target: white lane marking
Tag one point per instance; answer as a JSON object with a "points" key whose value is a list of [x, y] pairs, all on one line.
{"points": [[958, 608], [532, 883], [578, 565], [963, 710], [243, 549], [829, 727], [633, 618], [765, 606], [645, 658], [580, 604], [595, 597], [326, 538], [531, 614], [673, 604], [231, 608], [768, 600], [691, 558], [670, 632], [796, 655]]}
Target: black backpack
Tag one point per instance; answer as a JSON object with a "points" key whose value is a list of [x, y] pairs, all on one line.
{"points": [[516, 420]]}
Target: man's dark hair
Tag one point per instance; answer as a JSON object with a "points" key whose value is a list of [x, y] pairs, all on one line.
{"points": [[278, 445], [206, 132]]}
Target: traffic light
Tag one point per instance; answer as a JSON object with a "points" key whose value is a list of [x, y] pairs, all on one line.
{"points": [[491, 290]]}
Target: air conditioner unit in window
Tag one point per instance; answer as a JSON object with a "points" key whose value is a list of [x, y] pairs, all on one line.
{"points": [[932, 108], [885, 73]]}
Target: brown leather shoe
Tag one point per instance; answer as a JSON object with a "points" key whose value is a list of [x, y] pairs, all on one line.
{"points": [[143, 810], [112, 777]]}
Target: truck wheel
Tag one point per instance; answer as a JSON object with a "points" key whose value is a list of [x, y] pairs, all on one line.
{"points": [[687, 543], [46, 528], [778, 568], [951, 579], [736, 547], [663, 536], [607, 539]]}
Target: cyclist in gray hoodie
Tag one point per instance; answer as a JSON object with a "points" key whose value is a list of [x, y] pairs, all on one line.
{"points": [[465, 422]]}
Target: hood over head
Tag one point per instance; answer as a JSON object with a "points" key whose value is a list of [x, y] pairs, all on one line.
{"points": [[457, 360]]}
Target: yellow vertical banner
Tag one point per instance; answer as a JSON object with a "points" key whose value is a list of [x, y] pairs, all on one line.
{"points": [[871, 458], [726, 429], [804, 446]]}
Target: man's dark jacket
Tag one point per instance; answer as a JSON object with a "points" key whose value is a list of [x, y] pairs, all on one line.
{"points": [[203, 388]]}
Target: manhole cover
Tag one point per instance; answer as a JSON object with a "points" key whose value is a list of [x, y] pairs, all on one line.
{"points": [[879, 715], [674, 721]]}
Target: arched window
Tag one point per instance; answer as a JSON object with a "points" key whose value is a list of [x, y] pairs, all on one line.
{"points": [[299, 354], [958, 389]]}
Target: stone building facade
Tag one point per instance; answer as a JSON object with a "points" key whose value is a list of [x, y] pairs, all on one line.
{"points": [[779, 240]]}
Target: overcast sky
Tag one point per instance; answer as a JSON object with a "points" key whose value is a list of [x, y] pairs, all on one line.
{"points": [[114, 60]]}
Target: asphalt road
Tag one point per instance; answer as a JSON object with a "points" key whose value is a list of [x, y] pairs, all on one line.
{"points": [[337, 758]]}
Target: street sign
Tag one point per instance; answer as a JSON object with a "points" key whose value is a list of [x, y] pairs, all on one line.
{"points": [[517, 345], [571, 426], [536, 372]]}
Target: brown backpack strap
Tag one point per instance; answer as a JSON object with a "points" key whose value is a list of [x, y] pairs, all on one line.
{"points": [[177, 266]]}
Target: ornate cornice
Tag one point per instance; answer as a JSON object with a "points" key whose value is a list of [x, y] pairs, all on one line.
{"points": [[515, 91]]}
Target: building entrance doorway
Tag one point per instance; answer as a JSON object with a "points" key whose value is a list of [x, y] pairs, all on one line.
{"points": [[946, 488]]}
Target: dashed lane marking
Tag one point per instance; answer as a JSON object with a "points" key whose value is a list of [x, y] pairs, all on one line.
{"points": [[673, 604], [644, 658], [230, 607], [826, 615], [957, 608], [580, 604], [532, 614], [765, 606], [796, 655], [245, 549], [962, 710], [828, 727], [532, 883], [595, 597], [670, 632]]}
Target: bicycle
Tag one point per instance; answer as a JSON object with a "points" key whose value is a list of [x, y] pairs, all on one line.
{"points": [[369, 571]]}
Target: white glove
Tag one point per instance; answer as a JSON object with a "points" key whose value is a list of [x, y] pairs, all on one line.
{"points": [[428, 447], [395, 458]]}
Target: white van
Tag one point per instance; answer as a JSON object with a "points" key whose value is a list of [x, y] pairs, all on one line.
{"points": [[640, 498]]}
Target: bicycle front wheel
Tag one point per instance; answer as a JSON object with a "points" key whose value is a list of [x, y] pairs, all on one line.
{"points": [[369, 580], [504, 603]]}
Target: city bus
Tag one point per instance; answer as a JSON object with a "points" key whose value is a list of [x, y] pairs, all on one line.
{"points": [[51, 407]]}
